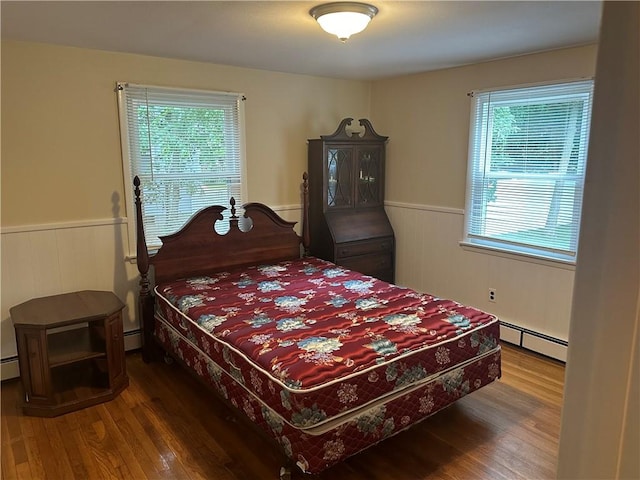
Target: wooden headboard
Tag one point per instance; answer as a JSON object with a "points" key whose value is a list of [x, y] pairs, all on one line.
{"points": [[197, 248]]}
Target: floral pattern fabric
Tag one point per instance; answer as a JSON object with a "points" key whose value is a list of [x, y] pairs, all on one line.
{"points": [[314, 341], [316, 452]]}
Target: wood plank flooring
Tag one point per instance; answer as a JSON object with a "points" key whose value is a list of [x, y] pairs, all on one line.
{"points": [[165, 425]]}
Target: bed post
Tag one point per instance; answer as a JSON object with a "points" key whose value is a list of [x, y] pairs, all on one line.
{"points": [[306, 236], [145, 299]]}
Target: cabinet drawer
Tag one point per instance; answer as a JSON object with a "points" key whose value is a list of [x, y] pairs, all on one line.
{"points": [[368, 264], [378, 246]]}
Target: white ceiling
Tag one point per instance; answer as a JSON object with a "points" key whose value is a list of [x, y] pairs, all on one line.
{"points": [[405, 37]]}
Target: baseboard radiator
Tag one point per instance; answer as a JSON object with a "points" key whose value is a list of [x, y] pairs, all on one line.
{"points": [[534, 341]]}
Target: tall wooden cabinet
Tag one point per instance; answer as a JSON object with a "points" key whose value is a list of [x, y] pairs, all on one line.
{"points": [[348, 224]]}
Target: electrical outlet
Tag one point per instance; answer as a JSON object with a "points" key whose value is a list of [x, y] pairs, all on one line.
{"points": [[492, 294]]}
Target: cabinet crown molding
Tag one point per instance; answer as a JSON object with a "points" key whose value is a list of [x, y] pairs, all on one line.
{"points": [[367, 134]]}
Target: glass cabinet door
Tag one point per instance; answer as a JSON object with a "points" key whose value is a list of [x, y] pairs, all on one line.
{"points": [[369, 176], [339, 177]]}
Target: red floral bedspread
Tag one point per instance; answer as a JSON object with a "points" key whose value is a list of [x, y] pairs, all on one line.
{"points": [[314, 341]]}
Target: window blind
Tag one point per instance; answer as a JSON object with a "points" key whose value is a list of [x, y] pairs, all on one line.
{"points": [[527, 160], [187, 148]]}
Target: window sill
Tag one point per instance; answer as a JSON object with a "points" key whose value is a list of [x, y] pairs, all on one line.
{"points": [[521, 257]]}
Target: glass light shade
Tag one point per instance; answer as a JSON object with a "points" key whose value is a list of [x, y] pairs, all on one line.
{"points": [[343, 19], [344, 24]]}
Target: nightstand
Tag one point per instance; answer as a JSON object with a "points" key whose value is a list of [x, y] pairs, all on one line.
{"points": [[70, 351]]}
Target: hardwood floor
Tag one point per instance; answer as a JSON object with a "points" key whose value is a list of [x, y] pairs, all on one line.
{"points": [[165, 425]]}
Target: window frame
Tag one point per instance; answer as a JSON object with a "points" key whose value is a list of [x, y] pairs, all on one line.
{"points": [[125, 141], [480, 142]]}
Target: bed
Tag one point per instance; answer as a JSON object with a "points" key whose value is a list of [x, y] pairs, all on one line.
{"points": [[325, 361]]}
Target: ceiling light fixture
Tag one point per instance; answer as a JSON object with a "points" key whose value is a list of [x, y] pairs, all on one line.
{"points": [[343, 19]]}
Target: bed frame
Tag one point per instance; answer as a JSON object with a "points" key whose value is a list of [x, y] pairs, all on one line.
{"points": [[197, 249], [263, 237]]}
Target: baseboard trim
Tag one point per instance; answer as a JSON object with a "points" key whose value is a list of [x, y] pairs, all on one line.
{"points": [[132, 340], [535, 341], [9, 366]]}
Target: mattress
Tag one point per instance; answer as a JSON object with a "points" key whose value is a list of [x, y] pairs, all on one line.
{"points": [[314, 452], [316, 345]]}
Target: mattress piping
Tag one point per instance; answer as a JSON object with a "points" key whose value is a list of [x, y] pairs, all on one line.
{"points": [[335, 421], [337, 380]]}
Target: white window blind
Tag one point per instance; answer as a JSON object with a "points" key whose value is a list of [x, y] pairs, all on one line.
{"points": [[527, 159], [187, 148]]}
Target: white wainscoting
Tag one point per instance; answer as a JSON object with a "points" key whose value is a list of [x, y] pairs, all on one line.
{"points": [[41, 260], [531, 295]]}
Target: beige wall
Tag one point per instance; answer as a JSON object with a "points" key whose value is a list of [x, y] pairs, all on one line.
{"points": [[426, 117], [61, 157], [62, 166]]}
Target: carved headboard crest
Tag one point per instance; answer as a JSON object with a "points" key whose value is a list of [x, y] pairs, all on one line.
{"points": [[198, 248]]}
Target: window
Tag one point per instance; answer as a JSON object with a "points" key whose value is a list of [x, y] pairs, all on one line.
{"points": [[187, 148], [527, 159]]}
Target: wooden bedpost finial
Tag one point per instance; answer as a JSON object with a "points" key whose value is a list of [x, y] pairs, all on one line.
{"points": [[136, 190], [232, 202], [233, 220]]}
